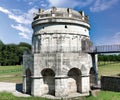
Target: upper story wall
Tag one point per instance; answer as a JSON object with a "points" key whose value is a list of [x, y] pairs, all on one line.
{"points": [[59, 29], [60, 20]]}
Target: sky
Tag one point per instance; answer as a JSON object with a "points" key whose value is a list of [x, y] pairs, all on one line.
{"points": [[16, 17]]}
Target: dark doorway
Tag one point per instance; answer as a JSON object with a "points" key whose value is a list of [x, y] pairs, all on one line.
{"points": [[74, 80], [28, 81], [92, 77], [49, 80]]}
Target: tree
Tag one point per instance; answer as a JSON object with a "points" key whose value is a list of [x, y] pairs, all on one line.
{"points": [[1, 49], [12, 54]]}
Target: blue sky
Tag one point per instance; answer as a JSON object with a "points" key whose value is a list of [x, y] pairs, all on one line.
{"points": [[16, 17]]}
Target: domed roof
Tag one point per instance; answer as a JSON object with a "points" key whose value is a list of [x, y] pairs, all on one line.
{"points": [[61, 12]]}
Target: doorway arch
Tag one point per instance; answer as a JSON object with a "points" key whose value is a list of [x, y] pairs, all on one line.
{"points": [[28, 81], [92, 77], [74, 83], [49, 80]]}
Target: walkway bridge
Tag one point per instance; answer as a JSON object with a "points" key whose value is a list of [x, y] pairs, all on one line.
{"points": [[102, 49], [106, 49]]}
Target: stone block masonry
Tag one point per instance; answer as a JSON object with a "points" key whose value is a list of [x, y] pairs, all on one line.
{"points": [[60, 64]]}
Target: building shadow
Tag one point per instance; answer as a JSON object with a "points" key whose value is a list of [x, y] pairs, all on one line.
{"points": [[19, 87]]}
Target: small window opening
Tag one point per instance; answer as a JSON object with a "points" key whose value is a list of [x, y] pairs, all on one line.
{"points": [[65, 26]]}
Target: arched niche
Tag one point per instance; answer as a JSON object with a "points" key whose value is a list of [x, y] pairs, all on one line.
{"points": [[74, 82], [49, 80], [92, 77], [28, 81]]}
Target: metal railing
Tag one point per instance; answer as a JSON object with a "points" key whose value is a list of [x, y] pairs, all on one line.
{"points": [[107, 49]]}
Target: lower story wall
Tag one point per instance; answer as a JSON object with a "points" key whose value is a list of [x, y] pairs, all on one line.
{"points": [[110, 83]]}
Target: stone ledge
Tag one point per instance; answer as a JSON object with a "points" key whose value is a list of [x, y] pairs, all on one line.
{"points": [[36, 77], [61, 77]]}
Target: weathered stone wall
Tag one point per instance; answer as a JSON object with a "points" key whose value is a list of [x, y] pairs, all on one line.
{"points": [[60, 62], [110, 83]]}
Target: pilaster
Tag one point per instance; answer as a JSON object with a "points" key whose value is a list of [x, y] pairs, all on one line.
{"points": [[85, 84], [95, 66], [61, 86], [24, 84], [37, 86]]}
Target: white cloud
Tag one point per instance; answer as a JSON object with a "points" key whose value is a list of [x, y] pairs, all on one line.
{"points": [[23, 20], [43, 5], [29, 14], [30, 3], [21, 28], [69, 3], [25, 32], [24, 35], [5, 10], [20, 19], [117, 35], [101, 5]]}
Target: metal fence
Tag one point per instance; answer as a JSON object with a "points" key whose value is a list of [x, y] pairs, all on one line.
{"points": [[107, 48]]}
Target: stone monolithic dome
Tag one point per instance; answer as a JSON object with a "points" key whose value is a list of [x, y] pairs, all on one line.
{"points": [[61, 61], [69, 25]]}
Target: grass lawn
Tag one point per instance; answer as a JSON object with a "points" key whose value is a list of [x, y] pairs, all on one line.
{"points": [[109, 69], [105, 95], [9, 96], [11, 74], [102, 95]]}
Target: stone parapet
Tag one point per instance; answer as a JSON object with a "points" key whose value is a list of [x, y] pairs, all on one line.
{"points": [[61, 13]]}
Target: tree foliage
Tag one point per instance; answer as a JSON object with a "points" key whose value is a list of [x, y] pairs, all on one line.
{"points": [[12, 54], [110, 58]]}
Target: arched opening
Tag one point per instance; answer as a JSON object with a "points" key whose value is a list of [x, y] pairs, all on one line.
{"points": [[28, 81], [74, 83], [49, 81], [92, 77]]}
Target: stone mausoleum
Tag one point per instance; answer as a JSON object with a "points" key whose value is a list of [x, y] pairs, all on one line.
{"points": [[61, 63]]}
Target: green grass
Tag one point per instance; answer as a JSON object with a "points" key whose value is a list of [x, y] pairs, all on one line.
{"points": [[102, 95], [9, 96], [105, 95], [11, 74], [109, 69]]}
